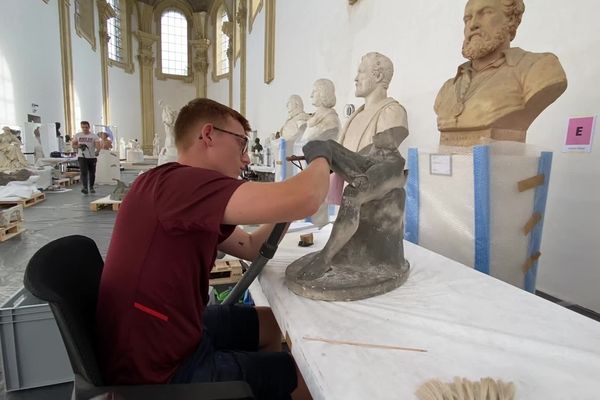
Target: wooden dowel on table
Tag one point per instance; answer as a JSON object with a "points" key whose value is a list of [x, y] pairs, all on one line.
{"points": [[374, 346]]}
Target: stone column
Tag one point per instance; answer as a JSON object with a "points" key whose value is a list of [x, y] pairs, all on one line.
{"points": [[200, 45], [241, 19], [145, 56], [67, 65], [105, 11]]}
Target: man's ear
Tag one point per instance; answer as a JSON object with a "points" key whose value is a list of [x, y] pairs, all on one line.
{"points": [[379, 77], [206, 134]]}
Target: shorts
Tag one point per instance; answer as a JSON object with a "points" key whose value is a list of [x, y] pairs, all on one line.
{"points": [[228, 351]]}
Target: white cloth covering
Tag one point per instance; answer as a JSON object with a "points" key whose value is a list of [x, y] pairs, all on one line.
{"points": [[18, 190], [472, 325]]}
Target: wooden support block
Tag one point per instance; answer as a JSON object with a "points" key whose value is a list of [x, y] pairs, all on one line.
{"points": [[225, 272], [533, 221], [531, 183], [10, 214], [62, 182], [10, 231], [530, 261], [306, 240], [75, 179], [97, 206]]}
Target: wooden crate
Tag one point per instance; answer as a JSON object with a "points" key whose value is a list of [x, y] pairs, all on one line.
{"points": [[10, 231], [226, 272], [10, 214], [36, 198]]}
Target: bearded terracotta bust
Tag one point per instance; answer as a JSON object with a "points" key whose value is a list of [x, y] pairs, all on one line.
{"points": [[501, 90]]}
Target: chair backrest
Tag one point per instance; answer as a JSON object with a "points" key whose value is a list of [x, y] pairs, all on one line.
{"points": [[66, 273]]}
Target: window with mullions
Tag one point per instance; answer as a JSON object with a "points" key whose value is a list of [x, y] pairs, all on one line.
{"points": [[174, 43], [222, 42], [114, 25]]}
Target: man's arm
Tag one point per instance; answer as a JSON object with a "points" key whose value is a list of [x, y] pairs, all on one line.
{"points": [[75, 142], [292, 199], [246, 245]]}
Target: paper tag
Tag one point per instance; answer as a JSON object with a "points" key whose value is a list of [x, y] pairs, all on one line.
{"points": [[580, 133], [440, 164]]}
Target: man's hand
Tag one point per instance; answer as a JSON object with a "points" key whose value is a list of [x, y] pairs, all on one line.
{"points": [[316, 149]]}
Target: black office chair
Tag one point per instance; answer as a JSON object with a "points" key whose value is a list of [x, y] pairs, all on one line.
{"points": [[66, 273]]}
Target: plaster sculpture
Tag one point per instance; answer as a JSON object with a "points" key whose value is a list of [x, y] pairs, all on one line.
{"points": [[155, 145], [134, 152], [364, 255], [108, 166], [11, 157], [324, 124], [502, 89], [169, 152], [379, 112], [122, 149], [295, 124], [38, 150], [120, 191]]}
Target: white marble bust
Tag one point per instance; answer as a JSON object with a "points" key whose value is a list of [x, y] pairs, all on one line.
{"points": [[296, 121], [380, 112], [324, 124]]}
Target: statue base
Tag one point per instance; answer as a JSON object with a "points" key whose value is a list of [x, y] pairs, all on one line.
{"points": [[346, 282]]}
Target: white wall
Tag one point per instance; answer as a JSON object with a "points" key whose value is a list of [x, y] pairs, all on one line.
{"points": [[30, 63], [325, 39], [125, 97], [87, 76]]}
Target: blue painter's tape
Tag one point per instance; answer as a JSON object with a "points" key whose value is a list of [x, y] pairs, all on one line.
{"points": [[539, 206], [282, 157], [481, 172], [411, 215]]}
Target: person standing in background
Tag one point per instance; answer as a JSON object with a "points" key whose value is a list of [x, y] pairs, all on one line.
{"points": [[86, 143]]}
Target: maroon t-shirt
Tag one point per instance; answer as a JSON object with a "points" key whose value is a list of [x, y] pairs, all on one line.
{"points": [[154, 286]]}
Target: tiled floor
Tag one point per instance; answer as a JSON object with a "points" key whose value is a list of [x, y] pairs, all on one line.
{"points": [[66, 214]]}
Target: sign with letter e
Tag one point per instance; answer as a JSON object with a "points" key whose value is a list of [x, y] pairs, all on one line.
{"points": [[580, 133]]}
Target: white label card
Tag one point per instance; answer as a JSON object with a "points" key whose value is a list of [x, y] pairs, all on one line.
{"points": [[440, 164]]}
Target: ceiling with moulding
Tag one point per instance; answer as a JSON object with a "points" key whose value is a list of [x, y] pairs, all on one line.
{"points": [[197, 5]]}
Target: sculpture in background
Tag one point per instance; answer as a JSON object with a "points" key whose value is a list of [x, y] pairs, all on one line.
{"points": [[295, 124], [155, 145], [364, 255], [501, 90], [324, 124], [122, 149], [38, 150], [11, 157], [169, 152], [379, 112]]}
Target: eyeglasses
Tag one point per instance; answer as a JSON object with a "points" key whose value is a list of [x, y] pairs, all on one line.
{"points": [[243, 138]]}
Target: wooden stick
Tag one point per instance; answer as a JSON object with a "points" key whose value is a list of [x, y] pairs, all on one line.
{"points": [[375, 346]]}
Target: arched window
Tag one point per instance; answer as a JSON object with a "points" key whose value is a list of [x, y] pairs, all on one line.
{"points": [[221, 42], [115, 31], [174, 43]]}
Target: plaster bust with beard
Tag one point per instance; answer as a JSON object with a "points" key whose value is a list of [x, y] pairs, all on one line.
{"points": [[501, 90]]}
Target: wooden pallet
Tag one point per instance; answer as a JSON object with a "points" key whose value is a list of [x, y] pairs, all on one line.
{"points": [[63, 182], [10, 231], [36, 198], [225, 272], [105, 203]]}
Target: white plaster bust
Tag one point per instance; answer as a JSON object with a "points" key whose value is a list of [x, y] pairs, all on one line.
{"points": [[296, 120], [324, 124], [380, 112]]}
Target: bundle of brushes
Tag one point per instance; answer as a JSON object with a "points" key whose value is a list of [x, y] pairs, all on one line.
{"points": [[463, 389]]}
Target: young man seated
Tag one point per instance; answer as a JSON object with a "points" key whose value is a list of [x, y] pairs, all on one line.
{"points": [[153, 323]]}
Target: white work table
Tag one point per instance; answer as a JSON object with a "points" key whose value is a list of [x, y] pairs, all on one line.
{"points": [[471, 325]]}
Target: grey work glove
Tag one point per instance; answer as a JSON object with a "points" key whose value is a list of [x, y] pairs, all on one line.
{"points": [[315, 149]]}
